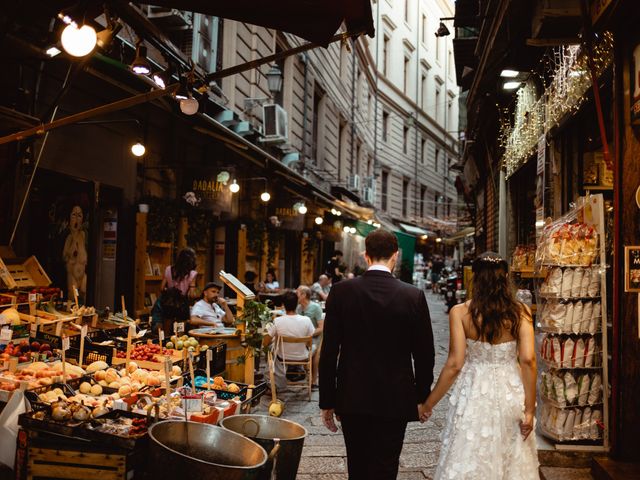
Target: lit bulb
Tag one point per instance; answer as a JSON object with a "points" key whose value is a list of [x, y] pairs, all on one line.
{"points": [[352, 230], [138, 149], [53, 51], [302, 209], [234, 187], [189, 106], [265, 196], [338, 213], [78, 42], [345, 229], [319, 220]]}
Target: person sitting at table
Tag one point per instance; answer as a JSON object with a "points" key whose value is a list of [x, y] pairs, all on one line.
{"points": [[250, 281], [270, 284], [288, 325], [313, 310], [212, 310], [320, 289]]}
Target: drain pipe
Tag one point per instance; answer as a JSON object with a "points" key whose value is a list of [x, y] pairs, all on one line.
{"points": [[304, 58], [353, 103]]}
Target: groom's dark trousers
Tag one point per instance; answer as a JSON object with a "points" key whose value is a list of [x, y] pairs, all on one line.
{"points": [[376, 365]]}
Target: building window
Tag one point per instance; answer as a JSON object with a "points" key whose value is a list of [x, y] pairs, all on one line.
{"points": [[369, 106], [318, 125], [423, 191], [438, 42], [450, 64], [385, 55], [344, 63], [405, 72], [424, 29], [357, 159], [436, 160], [406, 11], [405, 139], [437, 106], [449, 113], [436, 199], [405, 195], [423, 90], [385, 126], [385, 190], [423, 149], [449, 207], [342, 135]]}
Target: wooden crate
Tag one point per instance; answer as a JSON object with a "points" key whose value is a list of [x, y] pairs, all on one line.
{"points": [[69, 464], [27, 273]]}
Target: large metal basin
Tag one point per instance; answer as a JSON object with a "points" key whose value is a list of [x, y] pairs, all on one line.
{"points": [[198, 450], [263, 430]]}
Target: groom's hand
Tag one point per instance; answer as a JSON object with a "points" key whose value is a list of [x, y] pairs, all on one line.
{"points": [[328, 418]]}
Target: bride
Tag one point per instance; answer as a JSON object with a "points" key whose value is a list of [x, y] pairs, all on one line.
{"points": [[492, 367]]}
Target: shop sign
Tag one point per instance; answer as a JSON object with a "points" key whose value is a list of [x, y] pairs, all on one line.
{"points": [[207, 189], [288, 218], [632, 269], [635, 86]]}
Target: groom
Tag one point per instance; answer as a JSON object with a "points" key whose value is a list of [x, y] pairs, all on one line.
{"points": [[376, 363]]}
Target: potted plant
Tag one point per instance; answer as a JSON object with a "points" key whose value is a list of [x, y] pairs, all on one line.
{"points": [[254, 315]]}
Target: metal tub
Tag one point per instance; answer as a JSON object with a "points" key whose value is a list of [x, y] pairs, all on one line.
{"points": [[263, 430], [179, 449]]}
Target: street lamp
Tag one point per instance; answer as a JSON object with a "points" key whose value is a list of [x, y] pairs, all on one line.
{"points": [[274, 83], [78, 41], [442, 31]]}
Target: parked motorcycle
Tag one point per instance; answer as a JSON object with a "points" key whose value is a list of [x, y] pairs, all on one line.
{"points": [[455, 294]]}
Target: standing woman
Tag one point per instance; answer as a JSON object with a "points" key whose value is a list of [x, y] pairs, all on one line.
{"points": [[176, 290], [492, 367]]}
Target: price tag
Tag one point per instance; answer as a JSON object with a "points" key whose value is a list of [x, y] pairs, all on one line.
{"points": [[33, 298], [5, 335], [209, 355], [132, 330], [191, 356], [75, 292], [120, 405], [161, 336], [178, 327], [65, 343], [33, 330], [168, 366], [84, 330]]}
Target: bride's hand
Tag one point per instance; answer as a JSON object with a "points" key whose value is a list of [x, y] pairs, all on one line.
{"points": [[424, 412], [526, 425]]}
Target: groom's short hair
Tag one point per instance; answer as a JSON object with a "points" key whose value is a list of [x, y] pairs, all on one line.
{"points": [[381, 244]]}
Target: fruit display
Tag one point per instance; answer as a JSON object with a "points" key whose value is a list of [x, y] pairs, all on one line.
{"points": [[39, 374], [46, 293], [185, 342], [6, 299], [149, 352], [10, 316], [130, 379], [25, 350], [83, 311]]}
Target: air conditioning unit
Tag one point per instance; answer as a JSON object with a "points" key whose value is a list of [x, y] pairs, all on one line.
{"points": [[353, 183], [369, 195], [274, 120], [370, 182]]}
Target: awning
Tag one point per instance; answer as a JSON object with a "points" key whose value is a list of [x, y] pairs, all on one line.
{"points": [[412, 229], [461, 234], [314, 20]]}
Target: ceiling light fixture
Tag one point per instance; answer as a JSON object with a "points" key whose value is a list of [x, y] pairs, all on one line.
{"points": [[78, 41], [319, 220], [511, 85], [189, 106], [265, 197], [138, 149], [140, 64], [234, 187], [508, 73], [346, 229], [352, 230]]}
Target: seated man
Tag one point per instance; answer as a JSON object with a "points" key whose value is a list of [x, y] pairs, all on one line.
{"points": [[288, 325], [320, 289], [313, 310], [212, 310]]}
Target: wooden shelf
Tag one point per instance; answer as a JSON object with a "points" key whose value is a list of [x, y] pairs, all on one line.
{"points": [[597, 187], [153, 278], [168, 245]]}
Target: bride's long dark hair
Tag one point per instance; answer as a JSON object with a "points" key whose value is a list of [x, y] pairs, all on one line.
{"points": [[493, 306]]}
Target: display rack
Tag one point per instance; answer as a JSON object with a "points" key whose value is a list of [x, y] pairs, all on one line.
{"points": [[572, 323]]}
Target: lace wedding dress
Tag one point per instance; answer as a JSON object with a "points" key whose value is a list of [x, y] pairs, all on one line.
{"points": [[482, 439]]}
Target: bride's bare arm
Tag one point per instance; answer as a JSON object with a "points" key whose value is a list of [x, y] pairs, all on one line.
{"points": [[527, 360], [455, 361]]}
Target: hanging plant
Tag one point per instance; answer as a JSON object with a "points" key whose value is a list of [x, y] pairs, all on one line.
{"points": [[162, 219], [199, 225], [273, 243], [311, 245], [255, 237], [254, 315]]}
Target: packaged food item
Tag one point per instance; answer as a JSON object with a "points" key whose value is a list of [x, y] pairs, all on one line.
{"points": [[594, 284], [561, 419], [558, 391], [583, 389], [576, 284], [545, 384], [567, 353], [557, 312], [567, 431], [589, 250], [552, 285], [577, 317], [590, 353], [567, 282], [578, 355], [587, 313], [570, 388], [595, 390], [586, 281], [556, 351], [594, 324], [570, 245], [575, 431], [596, 419], [585, 425], [567, 326]]}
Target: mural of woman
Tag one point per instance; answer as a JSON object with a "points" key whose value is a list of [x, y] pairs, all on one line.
{"points": [[75, 254]]}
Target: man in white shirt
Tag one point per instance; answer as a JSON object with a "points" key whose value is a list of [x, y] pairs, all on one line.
{"points": [[288, 325], [212, 310]]}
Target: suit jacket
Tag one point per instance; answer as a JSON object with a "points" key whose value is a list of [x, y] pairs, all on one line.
{"points": [[377, 350]]}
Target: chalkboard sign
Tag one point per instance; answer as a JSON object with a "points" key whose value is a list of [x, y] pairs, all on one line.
{"points": [[632, 269]]}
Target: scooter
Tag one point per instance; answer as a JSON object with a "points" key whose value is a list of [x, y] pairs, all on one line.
{"points": [[454, 294]]}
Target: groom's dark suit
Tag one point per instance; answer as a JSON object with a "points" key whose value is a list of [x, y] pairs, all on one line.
{"points": [[376, 365]]}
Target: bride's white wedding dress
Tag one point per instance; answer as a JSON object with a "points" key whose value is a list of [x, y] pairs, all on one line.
{"points": [[482, 439]]}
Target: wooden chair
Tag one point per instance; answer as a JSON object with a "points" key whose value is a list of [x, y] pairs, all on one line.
{"points": [[306, 363]]}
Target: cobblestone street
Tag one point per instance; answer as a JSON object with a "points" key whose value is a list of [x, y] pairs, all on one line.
{"points": [[324, 456]]}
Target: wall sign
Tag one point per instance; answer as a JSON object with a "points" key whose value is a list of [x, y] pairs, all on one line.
{"points": [[207, 189], [632, 269]]}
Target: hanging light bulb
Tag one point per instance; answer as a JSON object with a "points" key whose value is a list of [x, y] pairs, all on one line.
{"points": [[189, 106], [78, 42], [138, 149], [352, 230], [140, 64], [265, 197], [302, 209], [346, 229], [319, 220], [234, 187]]}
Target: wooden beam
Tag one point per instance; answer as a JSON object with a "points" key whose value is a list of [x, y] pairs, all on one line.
{"points": [[552, 42]]}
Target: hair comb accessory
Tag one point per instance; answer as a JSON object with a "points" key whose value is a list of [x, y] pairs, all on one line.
{"points": [[491, 259]]}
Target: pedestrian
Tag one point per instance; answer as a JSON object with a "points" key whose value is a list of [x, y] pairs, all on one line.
{"points": [[377, 341], [332, 269], [492, 367]]}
